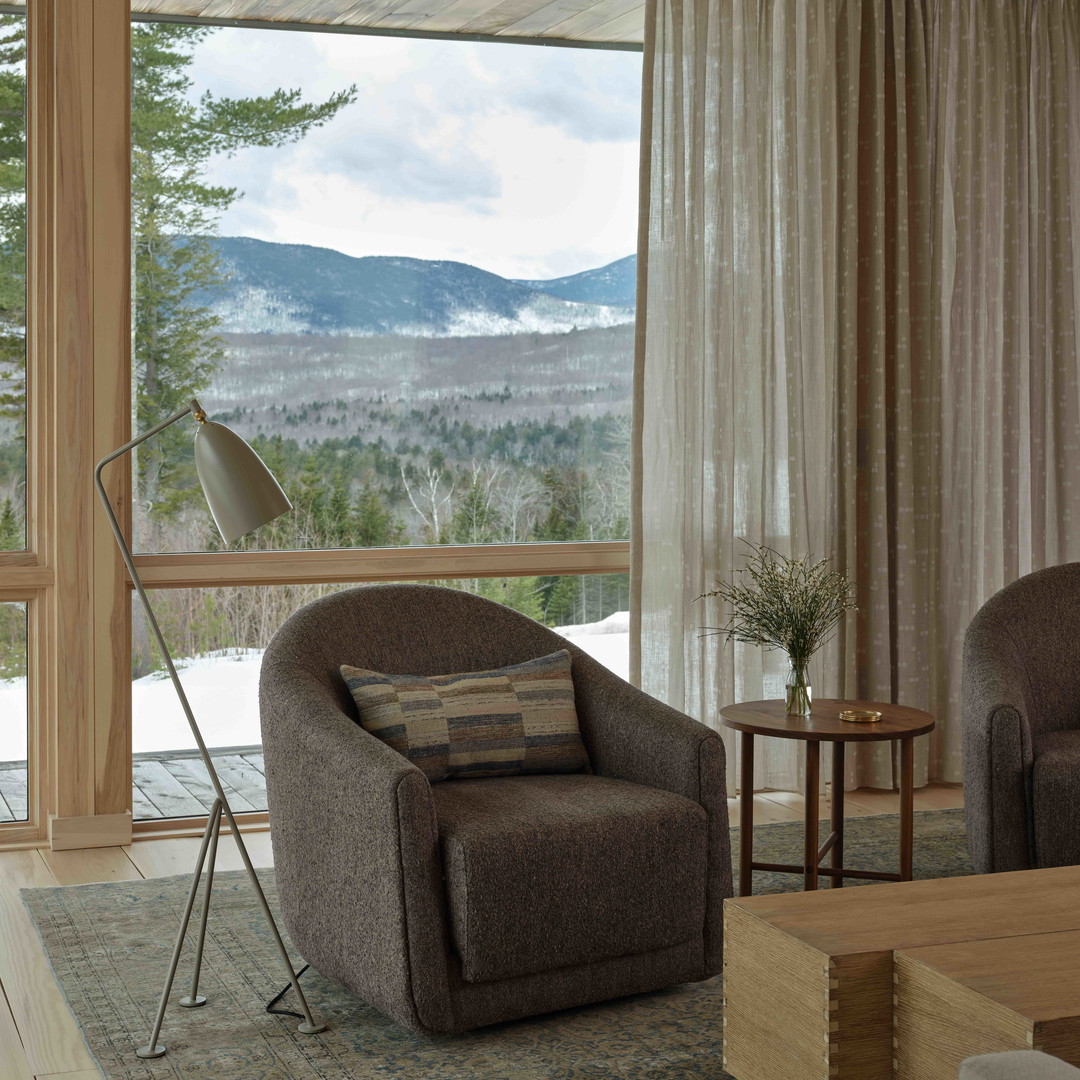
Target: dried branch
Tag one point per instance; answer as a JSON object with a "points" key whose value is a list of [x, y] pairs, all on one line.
{"points": [[792, 604]]}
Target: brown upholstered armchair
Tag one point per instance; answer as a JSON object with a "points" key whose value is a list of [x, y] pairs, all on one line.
{"points": [[458, 904], [1021, 729]]}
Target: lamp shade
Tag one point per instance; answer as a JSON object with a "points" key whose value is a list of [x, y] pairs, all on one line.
{"points": [[240, 490]]}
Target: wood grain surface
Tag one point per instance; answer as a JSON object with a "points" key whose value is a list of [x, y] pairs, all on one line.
{"points": [[976, 997], [937, 1023], [824, 723], [606, 20], [854, 933], [912, 914]]}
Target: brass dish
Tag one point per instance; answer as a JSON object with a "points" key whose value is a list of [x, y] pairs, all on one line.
{"points": [[860, 716]]}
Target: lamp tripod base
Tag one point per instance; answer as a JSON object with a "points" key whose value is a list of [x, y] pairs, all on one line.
{"points": [[193, 1000]]}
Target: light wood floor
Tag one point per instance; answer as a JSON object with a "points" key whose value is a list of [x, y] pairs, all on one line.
{"points": [[39, 1039]]}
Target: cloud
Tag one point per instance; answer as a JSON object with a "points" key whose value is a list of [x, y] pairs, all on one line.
{"points": [[396, 167], [518, 159], [593, 117], [592, 95]]}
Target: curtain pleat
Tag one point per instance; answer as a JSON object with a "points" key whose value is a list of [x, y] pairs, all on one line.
{"points": [[859, 292]]}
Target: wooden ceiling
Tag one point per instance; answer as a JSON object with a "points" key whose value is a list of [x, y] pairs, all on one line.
{"points": [[616, 21]]}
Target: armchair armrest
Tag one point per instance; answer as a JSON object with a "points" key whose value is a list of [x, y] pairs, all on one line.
{"points": [[356, 851], [998, 756], [632, 736]]}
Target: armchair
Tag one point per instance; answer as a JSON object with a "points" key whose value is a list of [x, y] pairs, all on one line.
{"points": [[1021, 724], [463, 903]]}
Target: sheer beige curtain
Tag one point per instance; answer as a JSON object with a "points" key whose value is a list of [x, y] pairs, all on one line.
{"points": [[860, 280]]}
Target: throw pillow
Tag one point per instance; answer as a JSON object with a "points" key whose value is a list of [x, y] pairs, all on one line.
{"points": [[516, 719]]}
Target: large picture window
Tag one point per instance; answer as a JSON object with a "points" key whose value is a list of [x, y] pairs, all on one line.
{"points": [[16, 758], [404, 270]]}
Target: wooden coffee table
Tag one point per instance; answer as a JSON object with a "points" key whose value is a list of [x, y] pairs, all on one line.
{"points": [[810, 978], [980, 997], [898, 722]]}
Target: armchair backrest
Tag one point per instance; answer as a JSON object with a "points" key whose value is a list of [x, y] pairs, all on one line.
{"points": [[1031, 629], [403, 630]]}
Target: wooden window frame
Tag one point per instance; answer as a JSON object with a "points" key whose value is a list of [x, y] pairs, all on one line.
{"points": [[71, 577], [78, 403]]}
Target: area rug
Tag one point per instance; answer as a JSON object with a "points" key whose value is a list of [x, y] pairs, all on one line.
{"points": [[109, 946]]}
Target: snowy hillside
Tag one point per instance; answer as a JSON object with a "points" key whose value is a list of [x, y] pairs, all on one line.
{"points": [[298, 289]]}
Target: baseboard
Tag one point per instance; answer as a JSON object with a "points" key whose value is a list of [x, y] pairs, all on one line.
{"points": [[100, 830]]}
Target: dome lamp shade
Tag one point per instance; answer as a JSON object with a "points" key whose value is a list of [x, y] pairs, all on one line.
{"points": [[240, 490]]}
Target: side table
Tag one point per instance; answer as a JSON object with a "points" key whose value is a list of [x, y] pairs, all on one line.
{"points": [[898, 722]]}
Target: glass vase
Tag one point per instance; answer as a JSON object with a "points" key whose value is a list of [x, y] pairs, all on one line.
{"points": [[797, 695]]}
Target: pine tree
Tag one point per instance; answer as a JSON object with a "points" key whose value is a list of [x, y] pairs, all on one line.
{"points": [[475, 519], [13, 219], [339, 519], [174, 214], [374, 525], [11, 538], [12, 267]]}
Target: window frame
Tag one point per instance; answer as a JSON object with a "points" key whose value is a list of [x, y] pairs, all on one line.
{"points": [[71, 576]]}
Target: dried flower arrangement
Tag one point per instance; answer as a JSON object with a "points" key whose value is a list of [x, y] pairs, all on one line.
{"points": [[789, 603]]}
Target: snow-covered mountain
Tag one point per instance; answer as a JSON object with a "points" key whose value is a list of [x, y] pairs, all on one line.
{"points": [[614, 284], [297, 289]]}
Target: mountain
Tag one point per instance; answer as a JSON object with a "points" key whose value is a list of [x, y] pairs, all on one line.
{"points": [[297, 289], [614, 284]]}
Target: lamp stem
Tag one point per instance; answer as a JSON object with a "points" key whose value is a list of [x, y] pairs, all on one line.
{"points": [[310, 1025]]}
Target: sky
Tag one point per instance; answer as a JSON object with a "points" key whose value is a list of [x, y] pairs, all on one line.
{"points": [[522, 160]]}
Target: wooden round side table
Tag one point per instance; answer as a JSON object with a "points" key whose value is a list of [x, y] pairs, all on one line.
{"points": [[898, 722]]}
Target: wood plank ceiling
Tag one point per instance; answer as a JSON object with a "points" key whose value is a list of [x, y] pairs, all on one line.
{"points": [[620, 21]]}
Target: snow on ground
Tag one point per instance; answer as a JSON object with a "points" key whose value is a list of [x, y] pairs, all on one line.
{"points": [[607, 641], [13, 719], [223, 690]]}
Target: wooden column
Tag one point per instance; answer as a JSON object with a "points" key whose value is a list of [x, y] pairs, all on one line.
{"points": [[87, 191], [111, 254]]}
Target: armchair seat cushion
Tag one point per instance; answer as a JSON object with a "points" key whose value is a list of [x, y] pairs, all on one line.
{"points": [[544, 872], [1055, 798]]}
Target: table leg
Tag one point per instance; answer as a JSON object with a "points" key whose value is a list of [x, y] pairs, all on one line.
{"points": [[746, 813], [837, 860], [810, 846], [907, 807]]}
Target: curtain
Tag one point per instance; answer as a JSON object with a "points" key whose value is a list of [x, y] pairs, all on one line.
{"points": [[859, 286]]}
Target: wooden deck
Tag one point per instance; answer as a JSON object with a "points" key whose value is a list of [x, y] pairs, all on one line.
{"points": [[166, 785], [13, 791]]}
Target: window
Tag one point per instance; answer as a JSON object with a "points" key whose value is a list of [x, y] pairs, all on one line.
{"points": [[404, 270], [12, 282], [412, 288], [13, 718], [482, 437], [15, 730]]}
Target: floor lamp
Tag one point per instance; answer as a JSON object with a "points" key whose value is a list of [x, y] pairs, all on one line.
{"points": [[242, 494]]}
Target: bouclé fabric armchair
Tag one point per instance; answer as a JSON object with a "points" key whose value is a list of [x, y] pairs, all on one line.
{"points": [[1021, 724], [467, 902]]}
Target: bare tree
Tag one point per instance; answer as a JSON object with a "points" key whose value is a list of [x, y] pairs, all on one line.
{"points": [[426, 500]]}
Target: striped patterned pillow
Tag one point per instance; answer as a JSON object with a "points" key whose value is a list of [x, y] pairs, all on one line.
{"points": [[517, 719]]}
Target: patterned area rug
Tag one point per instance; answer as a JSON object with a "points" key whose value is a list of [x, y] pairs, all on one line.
{"points": [[109, 945]]}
